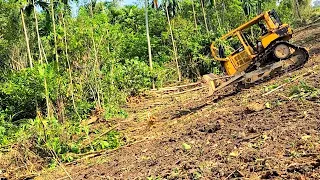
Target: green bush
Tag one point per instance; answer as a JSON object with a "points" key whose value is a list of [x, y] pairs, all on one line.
{"points": [[20, 94]]}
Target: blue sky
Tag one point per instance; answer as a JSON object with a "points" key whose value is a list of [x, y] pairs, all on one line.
{"points": [[123, 2], [126, 2]]}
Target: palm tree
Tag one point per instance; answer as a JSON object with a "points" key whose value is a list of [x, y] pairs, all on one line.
{"points": [[148, 39], [247, 6], [26, 37], [173, 44], [297, 8], [204, 15], [214, 4], [41, 54], [259, 7], [173, 7], [194, 15], [54, 32]]}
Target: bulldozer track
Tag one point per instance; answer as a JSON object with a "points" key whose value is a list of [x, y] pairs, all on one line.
{"points": [[283, 71]]}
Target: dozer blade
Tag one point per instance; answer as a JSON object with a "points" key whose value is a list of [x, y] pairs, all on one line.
{"points": [[214, 83]]}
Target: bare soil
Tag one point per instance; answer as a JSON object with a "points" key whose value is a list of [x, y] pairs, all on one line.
{"points": [[243, 136]]}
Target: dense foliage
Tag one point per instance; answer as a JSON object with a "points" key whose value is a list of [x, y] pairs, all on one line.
{"points": [[57, 70]]}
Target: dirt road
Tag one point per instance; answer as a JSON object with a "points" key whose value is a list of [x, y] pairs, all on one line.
{"points": [[246, 135]]}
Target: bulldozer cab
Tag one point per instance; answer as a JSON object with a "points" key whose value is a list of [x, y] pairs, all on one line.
{"points": [[254, 51], [237, 49]]}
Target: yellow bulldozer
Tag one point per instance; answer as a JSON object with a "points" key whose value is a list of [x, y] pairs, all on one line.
{"points": [[255, 51]]}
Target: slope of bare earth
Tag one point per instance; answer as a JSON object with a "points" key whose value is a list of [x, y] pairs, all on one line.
{"points": [[243, 135]]}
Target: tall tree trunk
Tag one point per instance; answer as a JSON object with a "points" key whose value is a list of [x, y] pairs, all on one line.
{"points": [[112, 61], [217, 13], [69, 68], [259, 7], [148, 39], [204, 15], [96, 64], [54, 33], [174, 47], [227, 26], [37, 31], [194, 16], [297, 8], [26, 38], [155, 4], [41, 54]]}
